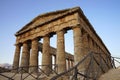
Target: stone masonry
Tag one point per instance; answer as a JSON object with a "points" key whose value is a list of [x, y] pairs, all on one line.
{"points": [[57, 23]]}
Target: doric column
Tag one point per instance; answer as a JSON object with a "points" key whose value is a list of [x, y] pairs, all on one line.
{"points": [[77, 36], [16, 56], [72, 62], [91, 44], [100, 50], [55, 59], [25, 57], [55, 66], [34, 56], [51, 61], [86, 48], [95, 46], [68, 64], [86, 43], [61, 60], [78, 46], [46, 57]]}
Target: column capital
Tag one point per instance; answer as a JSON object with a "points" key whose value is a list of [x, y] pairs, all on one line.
{"points": [[77, 26], [25, 42], [47, 35], [63, 30], [18, 44], [35, 39], [85, 36]]}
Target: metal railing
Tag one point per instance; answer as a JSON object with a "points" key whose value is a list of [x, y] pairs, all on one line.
{"points": [[95, 67], [115, 62], [33, 74]]}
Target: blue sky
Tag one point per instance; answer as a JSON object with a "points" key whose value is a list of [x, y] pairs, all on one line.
{"points": [[104, 15]]}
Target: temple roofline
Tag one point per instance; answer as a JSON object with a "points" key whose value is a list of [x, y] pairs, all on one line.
{"points": [[67, 11]]}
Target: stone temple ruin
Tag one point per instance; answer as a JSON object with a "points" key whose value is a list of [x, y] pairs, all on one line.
{"points": [[58, 23]]}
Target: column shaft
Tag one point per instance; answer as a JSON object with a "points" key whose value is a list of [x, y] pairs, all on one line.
{"points": [[86, 49], [55, 66], [94, 46], [78, 46], [34, 56], [25, 57], [91, 44], [68, 64], [16, 56], [55, 59], [86, 44], [61, 60], [46, 57], [72, 62], [51, 64]]}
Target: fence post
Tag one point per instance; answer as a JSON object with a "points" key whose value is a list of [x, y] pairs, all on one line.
{"points": [[113, 62], [21, 72], [76, 71]]}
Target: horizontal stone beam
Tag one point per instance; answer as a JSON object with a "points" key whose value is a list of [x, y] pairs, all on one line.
{"points": [[54, 50]]}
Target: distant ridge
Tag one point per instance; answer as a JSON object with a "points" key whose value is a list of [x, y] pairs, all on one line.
{"points": [[6, 65]]}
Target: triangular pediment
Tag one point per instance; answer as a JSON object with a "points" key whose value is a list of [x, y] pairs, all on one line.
{"points": [[46, 18]]}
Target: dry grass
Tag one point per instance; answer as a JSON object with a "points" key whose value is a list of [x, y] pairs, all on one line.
{"points": [[113, 74], [17, 77]]}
